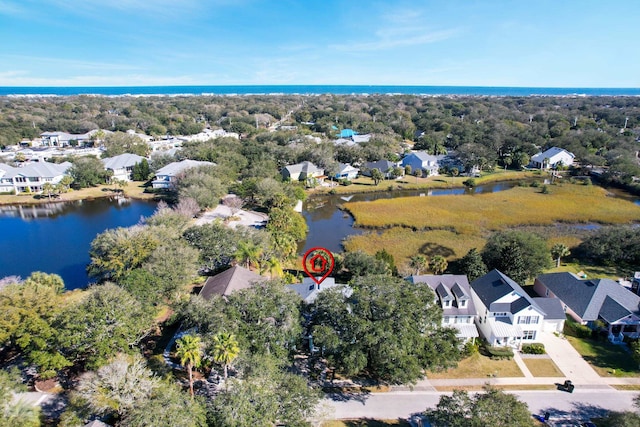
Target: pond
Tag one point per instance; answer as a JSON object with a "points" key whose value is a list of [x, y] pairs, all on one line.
{"points": [[56, 237]]}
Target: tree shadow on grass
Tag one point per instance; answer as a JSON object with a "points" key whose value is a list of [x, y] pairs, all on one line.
{"points": [[431, 249]]}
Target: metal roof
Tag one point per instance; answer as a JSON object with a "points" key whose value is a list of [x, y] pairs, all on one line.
{"points": [[121, 161], [466, 330], [503, 329]]}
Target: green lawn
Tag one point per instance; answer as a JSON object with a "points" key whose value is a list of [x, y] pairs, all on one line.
{"points": [[607, 359], [542, 367]]}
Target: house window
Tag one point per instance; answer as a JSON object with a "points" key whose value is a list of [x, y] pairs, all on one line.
{"points": [[546, 293], [463, 303], [446, 319], [528, 320], [447, 303], [501, 314], [529, 335]]}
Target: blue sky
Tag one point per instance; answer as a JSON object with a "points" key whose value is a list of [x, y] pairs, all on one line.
{"points": [[554, 43]]}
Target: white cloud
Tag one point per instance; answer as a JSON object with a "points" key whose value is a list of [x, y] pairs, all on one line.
{"points": [[392, 38]]}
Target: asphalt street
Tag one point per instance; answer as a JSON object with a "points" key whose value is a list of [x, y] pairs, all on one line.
{"points": [[580, 405]]}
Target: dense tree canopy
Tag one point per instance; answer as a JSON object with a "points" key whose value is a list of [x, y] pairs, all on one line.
{"points": [[608, 246], [493, 408], [520, 255], [106, 321], [384, 328]]}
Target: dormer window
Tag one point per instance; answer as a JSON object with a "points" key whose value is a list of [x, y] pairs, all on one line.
{"points": [[463, 303]]}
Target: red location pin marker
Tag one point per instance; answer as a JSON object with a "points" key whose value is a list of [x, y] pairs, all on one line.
{"points": [[318, 262]]}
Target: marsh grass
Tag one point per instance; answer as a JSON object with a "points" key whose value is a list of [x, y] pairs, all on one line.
{"points": [[475, 214], [403, 243]]}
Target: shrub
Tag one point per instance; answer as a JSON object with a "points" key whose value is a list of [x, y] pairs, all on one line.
{"points": [[470, 348], [545, 189], [469, 182], [534, 348], [578, 330], [499, 352], [535, 184], [345, 182]]}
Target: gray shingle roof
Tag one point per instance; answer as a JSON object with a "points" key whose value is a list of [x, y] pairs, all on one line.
{"points": [[229, 281], [39, 169], [552, 308], [305, 167], [451, 282], [494, 285], [173, 169], [587, 297], [611, 311]]}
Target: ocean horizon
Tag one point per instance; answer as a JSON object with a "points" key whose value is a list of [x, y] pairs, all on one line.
{"points": [[209, 90]]}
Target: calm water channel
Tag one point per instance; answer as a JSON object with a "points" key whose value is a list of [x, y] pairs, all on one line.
{"points": [[55, 238]]}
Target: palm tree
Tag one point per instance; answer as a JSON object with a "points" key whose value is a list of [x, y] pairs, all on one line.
{"points": [[419, 262], [438, 264], [273, 266], [48, 189], [189, 351], [225, 349], [248, 253], [559, 251]]}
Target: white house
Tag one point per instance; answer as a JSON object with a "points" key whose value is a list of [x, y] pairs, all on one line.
{"points": [[507, 316], [552, 158], [421, 160], [63, 139], [346, 171], [309, 289], [454, 296], [31, 177], [166, 176], [122, 165], [302, 171]]}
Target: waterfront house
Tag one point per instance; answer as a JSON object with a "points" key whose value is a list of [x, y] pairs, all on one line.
{"points": [[453, 294], [122, 165], [302, 172], [231, 280], [422, 161], [31, 177], [588, 301], [384, 166], [552, 158], [309, 289], [167, 176], [346, 171], [507, 316]]}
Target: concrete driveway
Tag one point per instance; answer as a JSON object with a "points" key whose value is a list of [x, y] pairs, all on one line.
{"points": [[572, 365]]}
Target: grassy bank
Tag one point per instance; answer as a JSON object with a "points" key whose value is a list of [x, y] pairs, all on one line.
{"points": [[134, 190], [475, 214], [366, 185]]}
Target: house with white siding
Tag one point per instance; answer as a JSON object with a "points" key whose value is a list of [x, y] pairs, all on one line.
{"points": [[31, 177], [167, 176], [507, 315], [453, 294], [122, 165], [552, 158]]}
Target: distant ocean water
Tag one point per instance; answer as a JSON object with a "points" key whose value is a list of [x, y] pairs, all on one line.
{"points": [[313, 90]]}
